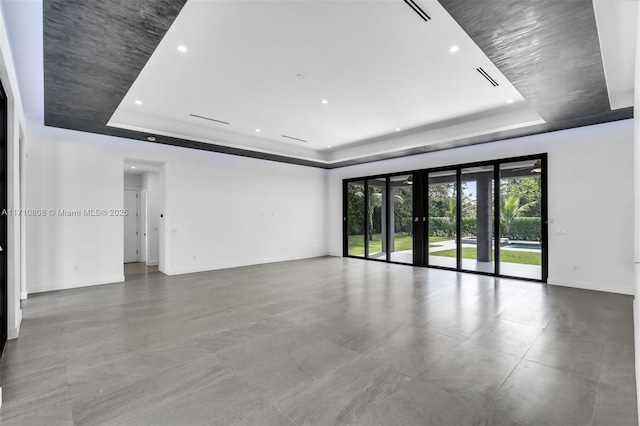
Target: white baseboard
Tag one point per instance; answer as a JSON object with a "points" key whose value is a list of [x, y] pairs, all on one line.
{"points": [[587, 285], [12, 332], [23, 295], [195, 269], [153, 263], [41, 288]]}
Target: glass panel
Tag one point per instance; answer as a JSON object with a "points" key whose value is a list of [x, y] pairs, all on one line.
{"points": [[376, 218], [355, 218], [441, 244], [401, 205], [477, 230], [521, 219]]}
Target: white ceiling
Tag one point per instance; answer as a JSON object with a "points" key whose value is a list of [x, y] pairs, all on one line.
{"points": [[617, 21], [140, 167], [23, 19], [377, 63]]}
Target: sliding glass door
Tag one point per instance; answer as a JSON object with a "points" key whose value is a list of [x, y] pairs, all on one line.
{"points": [[377, 237], [355, 218], [487, 218], [477, 219], [442, 197], [521, 219], [401, 225]]}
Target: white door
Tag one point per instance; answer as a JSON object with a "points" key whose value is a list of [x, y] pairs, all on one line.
{"points": [[144, 228], [131, 226]]}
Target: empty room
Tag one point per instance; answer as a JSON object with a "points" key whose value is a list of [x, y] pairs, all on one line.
{"points": [[300, 212]]}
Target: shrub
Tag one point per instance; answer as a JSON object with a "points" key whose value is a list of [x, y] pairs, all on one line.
{"points": [[469, 227], [445, 227], [525, 228], [522, 228], [441, 227]]}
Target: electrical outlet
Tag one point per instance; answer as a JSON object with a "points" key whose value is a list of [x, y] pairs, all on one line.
{"points": [[576, 267]]}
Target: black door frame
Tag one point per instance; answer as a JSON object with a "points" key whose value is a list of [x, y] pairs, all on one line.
{"points": [[421, 211], [3, 217]]}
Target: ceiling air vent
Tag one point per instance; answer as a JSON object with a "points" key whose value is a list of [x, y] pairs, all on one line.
{"points": [[295, 139], [207, 118], [488, 77], [418, 9]]}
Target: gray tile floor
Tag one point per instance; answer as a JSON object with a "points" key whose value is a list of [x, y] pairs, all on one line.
{"points": [[322, 341], [132, 270]]}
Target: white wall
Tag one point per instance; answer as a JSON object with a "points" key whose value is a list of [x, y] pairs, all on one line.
{"points": [[132, 181], [73, 173], [16, 125], [636, 183], [590, 195], [223, 210], [230, 211]]}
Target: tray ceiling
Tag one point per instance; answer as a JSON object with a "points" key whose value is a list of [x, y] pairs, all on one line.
{"points": [[393, 84]]}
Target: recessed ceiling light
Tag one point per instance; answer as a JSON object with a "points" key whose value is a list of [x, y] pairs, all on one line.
{"points": [[397, 129], [257, 130], [138, 102], [181, 48], [133, 167], [510, 101], [454, 49], [324, 101], [151, 138], [328, 146]]}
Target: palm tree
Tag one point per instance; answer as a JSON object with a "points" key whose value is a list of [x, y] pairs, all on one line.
{"points": [[451, 204], [374, 201], [510, 208]]}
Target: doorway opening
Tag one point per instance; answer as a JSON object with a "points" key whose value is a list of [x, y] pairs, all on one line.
{"points": [[141, 223]]}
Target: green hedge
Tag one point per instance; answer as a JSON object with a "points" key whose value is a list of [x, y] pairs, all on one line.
{"points": [[444, 227], [525, 228], [522, 228]]}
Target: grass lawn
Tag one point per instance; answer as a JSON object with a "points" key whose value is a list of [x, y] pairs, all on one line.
{"points": [[508, 256], [402, 242]]}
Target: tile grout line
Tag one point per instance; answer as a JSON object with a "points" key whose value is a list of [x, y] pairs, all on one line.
{"points": [[254, 389]]}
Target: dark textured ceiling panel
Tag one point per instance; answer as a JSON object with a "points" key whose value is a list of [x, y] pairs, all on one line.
{"points": [[548, 49], [93, 52]]}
